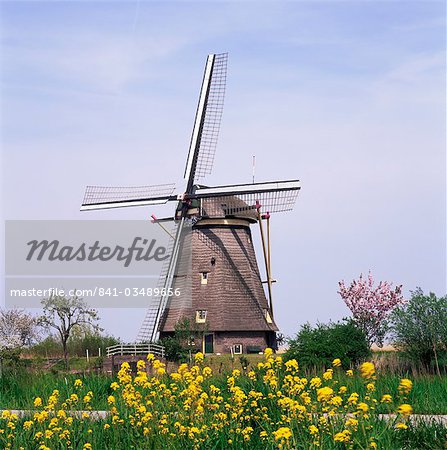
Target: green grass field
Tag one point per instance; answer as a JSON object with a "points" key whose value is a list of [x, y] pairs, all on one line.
{"points": [[208, 406], [19, 387]]}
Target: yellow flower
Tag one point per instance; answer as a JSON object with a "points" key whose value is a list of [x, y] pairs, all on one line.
{"points": [[405, 409], [48, 434], [150, 357], [367, 370], [282, 433], [313, 430], [353, 398], [328, 374], [207, 372], [141, 365], [352, 423], [176, 376], [344, 436], [37, 402], [336, 401], [106, 426], [363, 407], [405, 386], [78, 383], [28, 424], [336, 362], [371, 387], [111, 400], [291, 365], [324, 394], [401, 426], [199, 357], [386, 398], [349, 373], [87, 446], [114, 386]]}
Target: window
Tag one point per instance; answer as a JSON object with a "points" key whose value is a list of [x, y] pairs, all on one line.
{"points": [[267, 316], [204, 278], [237, 349], [201, 315]]}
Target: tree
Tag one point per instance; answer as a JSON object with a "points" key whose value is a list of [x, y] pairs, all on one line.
{"points": [[371, 306], [420, 328], [17, 329], [318, 346], [188, 336], [65, 314]]}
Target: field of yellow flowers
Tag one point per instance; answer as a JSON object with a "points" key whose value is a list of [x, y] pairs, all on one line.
{"points": [[271, 406]]}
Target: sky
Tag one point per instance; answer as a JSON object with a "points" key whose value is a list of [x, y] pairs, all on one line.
{"points": [[347, 96]]}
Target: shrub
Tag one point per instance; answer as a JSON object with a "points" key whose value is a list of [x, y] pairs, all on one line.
{"points": [[174, 350], [77, 345], [319, 346], [420, 329]]}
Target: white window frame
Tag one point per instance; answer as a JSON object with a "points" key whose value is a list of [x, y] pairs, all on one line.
{"points": [[204, 277], [240, 349], [199, 314]]}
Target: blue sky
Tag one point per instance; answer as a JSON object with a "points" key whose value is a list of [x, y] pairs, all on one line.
{"points": [[349, 97]]}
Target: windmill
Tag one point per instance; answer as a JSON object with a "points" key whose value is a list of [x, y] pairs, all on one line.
{"points": [[227, 295]]}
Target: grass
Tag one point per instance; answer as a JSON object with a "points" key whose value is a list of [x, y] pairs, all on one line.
{"points": [[18, 390], [19, 387], [421, 437], [150, 413]]}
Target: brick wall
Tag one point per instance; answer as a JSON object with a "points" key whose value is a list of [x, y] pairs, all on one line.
{"points": [[224, 341]]}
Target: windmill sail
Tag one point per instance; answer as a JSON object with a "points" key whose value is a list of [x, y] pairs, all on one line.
{"points": [[105, 197], [275, 196], [207, 122], [149, 328], [177, 265]]}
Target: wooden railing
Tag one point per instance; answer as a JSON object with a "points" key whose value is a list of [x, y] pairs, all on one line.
{"points": [[136, 349]]}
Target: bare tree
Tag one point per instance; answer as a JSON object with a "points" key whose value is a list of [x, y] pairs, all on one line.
{"points": [[65, 314]]}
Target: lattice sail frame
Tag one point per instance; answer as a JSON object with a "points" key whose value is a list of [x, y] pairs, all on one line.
{"points": [[248, 204], [212, 119], [103, 195]]}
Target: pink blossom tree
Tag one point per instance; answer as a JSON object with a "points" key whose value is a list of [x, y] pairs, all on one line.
{"points": [[371, 305]]}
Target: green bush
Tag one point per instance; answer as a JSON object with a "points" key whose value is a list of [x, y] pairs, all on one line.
{"points": [[318, 346], [419, 329], [77, 345], [174, 350]]}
